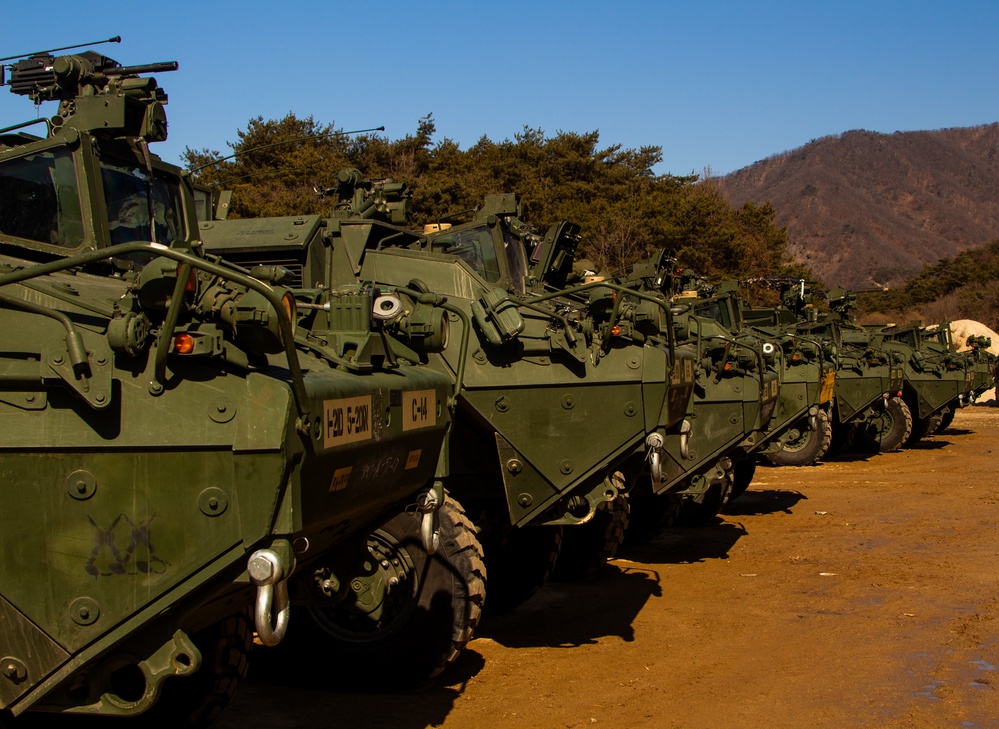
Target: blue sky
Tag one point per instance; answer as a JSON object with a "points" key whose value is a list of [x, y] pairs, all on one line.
{"points": [[718, 85]]}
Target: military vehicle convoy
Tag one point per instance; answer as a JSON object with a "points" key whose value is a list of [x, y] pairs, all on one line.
{"points": [[567, 396], [867, 379], [937, 378], [269, 427], [183, 462]]}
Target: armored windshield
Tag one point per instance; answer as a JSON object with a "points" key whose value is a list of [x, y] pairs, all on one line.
{"points": [[516, 259], [475, 247], [39, 200], [714, 310], [140, 207]]}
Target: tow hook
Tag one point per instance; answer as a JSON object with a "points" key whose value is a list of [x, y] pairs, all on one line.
{"points": [[813, 418], [654, 442], [685, 439], [269, 573], [430, 526]]}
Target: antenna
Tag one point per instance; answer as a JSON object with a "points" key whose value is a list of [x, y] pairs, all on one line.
{"points": [[3, 81]]}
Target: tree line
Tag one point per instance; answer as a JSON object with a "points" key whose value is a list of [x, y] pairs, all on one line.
{"points": [[965, 287], [626, 210]]}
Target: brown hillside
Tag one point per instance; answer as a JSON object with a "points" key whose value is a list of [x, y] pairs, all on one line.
{"points": [[865, 209]]}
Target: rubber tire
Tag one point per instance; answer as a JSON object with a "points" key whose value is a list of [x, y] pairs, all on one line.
{"points": [[198, 700], [649, 514], [946, 419], [694, 514], [519, 562], [440, 614], [807, 449], [842, 438], [587, 547], [896, 434], [922, 427], [742, 476]]}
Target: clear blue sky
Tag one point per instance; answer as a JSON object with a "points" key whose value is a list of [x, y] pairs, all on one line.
{"points": [[718, 85]]}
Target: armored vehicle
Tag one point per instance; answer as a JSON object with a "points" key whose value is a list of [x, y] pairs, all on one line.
{"points": [[738, 381], [936, 377], [182, 463], [978, 363], [570, 394], [799, 432], [865, 378]]}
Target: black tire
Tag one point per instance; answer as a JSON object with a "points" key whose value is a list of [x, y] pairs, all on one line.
{"points": [[649, 514], [587, 547], [806, 445], [693, 513], [946, 419], [922, 427], [198, 700], [891, 427], [422, 627], [843, 436], [519, 562], [742, 476]]}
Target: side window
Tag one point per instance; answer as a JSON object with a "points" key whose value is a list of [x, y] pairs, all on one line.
{"points": [[141, 208], [713, 310], [516, 261], [475, 247], [39, 199]]}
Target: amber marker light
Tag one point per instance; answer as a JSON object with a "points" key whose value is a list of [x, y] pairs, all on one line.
{"points": [[615, 330], [183, 344], [191, 287]]}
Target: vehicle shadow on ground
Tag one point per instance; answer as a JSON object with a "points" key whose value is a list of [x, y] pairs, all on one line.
{"points": [[571, 614], [764, 501], [306, 697], [686, 545], [934, 443], [951, 430]]}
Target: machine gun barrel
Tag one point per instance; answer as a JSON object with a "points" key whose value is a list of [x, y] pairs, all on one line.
{"points": [[144, 68]]}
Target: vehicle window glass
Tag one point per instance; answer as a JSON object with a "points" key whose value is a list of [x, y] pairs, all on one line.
{"points": [[39, 199], [516, 260], [713, 310], [202, 204], [475, 247], [141, 208]]}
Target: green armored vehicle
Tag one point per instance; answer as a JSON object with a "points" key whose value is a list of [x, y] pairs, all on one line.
{"points": [[937, 379], [978, 364], [797, 433], [570, 395], [182, 463], [737, 380], [868, 380]]}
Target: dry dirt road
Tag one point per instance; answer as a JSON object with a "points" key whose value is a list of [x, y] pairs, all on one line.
{"points": [[861, 592]]}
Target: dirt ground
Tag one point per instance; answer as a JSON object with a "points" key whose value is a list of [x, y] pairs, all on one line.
{"points": [[861, 592]]}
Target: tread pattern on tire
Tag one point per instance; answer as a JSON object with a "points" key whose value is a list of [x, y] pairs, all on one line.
{"points": [[815, 446]]}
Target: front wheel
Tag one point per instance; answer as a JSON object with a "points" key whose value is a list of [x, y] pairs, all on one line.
{"points": [[805, 446], [587, 547], [742, 476], [889, 428], [198, 700], [649, 514], [946, 419], [409, 613]]}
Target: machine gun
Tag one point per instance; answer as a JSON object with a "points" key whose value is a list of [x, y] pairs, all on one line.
{"points": [[95, 92]]}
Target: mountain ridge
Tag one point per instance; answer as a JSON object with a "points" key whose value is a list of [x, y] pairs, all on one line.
{"points": [[867, 209]]}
